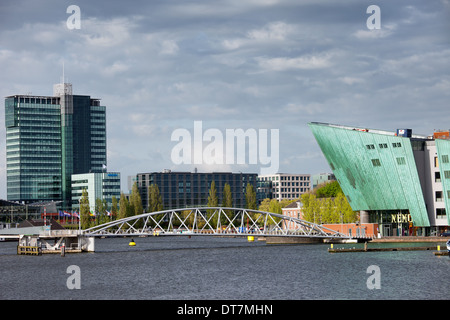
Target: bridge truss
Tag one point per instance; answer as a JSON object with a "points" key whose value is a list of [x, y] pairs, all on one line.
{"points": [[212, 221]]}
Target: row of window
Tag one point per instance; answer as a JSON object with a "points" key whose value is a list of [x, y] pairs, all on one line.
{"points": [[383, 145], [288, 178], [377, 163], [42, 100]]}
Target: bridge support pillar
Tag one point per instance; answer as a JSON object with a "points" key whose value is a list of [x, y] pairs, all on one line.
{"points": [[87, 243]]}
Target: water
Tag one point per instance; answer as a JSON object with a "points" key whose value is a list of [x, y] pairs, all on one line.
{"points": [[208, 268]]}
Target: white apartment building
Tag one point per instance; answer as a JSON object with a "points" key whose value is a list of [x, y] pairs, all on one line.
{"points": [[282, 186], [99, 185]]}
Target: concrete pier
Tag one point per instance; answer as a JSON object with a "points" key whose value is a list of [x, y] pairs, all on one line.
{"points": [[55, 242], [337, 250]]}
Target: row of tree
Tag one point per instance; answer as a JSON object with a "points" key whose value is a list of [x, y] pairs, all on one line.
{"points": [[326, 204], [133, 206]]}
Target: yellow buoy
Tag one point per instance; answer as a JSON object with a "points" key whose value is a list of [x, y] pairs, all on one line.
{"points": [[132, 243], [251, 238]]}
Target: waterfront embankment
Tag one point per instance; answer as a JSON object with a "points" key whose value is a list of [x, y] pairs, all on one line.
{"points": [[413, 239]]}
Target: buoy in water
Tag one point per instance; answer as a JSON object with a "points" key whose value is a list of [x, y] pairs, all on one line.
{"points": [[132, 243], [250, 238]]}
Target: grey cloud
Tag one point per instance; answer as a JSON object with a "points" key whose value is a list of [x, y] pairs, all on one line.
{"points": [[160, 65]]}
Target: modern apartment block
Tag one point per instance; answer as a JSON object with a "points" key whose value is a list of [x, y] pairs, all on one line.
{"points": [[282, 186], [99, 185], [49, 138], [190, 189], [396, 179]]}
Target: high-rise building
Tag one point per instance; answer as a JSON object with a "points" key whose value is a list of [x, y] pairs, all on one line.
{"points": [[49, 138], [190, 189], [394, 178]]}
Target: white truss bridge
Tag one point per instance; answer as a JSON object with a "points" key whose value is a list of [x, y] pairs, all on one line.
{"points": [[212, 221]]}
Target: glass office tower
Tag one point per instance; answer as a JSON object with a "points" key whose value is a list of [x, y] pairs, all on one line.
{"points": [[33, 148], [49, 138]]}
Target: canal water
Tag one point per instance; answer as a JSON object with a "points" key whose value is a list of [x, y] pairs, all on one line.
{"points": [[205, 268]]}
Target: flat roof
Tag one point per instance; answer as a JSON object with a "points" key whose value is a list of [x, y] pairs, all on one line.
{"points": [[370, 130]]}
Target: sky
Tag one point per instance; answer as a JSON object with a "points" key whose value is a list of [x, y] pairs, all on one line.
{"points": [[159, 66]]}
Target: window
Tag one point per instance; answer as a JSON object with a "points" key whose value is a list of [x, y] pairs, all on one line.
{"points": [[382, 145], [447, 174], [436, 162], [370, 146], [376, 162], [438, 195], [396, 144], [440, 213], [444, 158], [437, 177], [401, 161]]}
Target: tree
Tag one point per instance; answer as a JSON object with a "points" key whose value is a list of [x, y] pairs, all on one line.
{"points": [[99, 211], [155, 202], [135, 201], [154, 199], [344, 210], [213, 201], [227, 202], [250, 197], [264, 206], [328, 190], [275, 206], [123, 207], [326, 209], [84, 210], [310, 207], [114, 207]]}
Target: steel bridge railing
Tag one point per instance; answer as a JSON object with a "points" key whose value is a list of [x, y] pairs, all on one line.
{"points": [[212, 221]]}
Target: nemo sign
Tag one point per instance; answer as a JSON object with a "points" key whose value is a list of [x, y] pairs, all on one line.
{"points": [[401, 218]]}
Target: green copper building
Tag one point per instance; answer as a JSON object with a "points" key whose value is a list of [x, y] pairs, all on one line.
{"points": [[49, 138], [396, 179]]}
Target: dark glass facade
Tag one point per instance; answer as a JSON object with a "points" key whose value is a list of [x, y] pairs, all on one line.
{"points": [[47, 140], [33, 148], [186, 189]]}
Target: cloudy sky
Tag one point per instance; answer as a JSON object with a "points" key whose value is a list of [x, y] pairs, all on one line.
{"points": [[252, 64]]}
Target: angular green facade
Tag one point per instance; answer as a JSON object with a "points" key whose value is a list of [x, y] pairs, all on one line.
{"points": [[375, 171]]}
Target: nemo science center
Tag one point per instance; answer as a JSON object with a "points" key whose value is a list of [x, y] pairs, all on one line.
{"points": [[397, 180]]}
